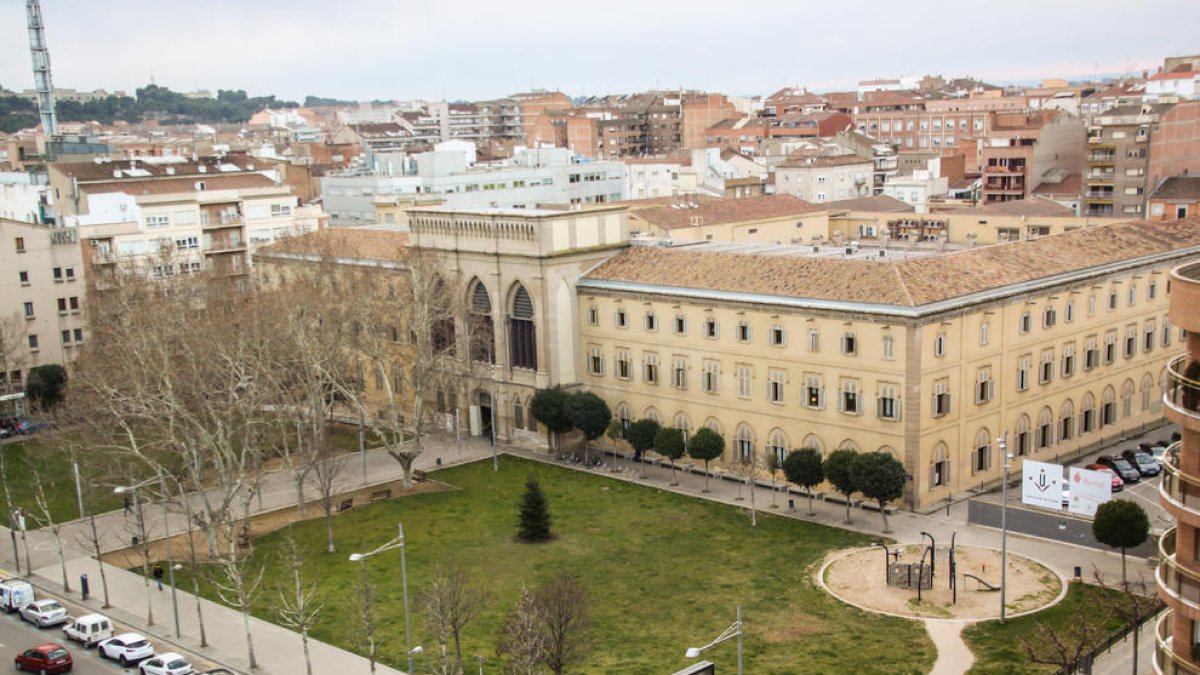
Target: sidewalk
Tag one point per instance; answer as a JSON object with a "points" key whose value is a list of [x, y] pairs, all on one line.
{"points": [[278, 650]]}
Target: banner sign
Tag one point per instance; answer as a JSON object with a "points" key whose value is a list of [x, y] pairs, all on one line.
{"points": [[1089, 489], [1042, 484]]}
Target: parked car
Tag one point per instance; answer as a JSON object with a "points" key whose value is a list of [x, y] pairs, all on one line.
{"points": [[1066, 496], [17, 425], [44, 613], [125, 648], [1142, 461], [166, 664], [88, 629], [1159, 453], [50, 657], [1122, 468], [1117, 483], [15, 594]]}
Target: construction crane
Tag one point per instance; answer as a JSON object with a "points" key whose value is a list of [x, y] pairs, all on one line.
{"points": [[41, 70]]}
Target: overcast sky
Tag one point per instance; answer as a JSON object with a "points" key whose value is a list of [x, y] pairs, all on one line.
{"points": [[476, 49]]}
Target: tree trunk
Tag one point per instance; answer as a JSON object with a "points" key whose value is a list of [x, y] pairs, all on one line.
{"points": [[1123, 580], [1136, 629], [810, 500], [673, 481], [457, 652], [304, 644], [96, 545], [753, 508], [194, 568], [847, 508], [329, 547], [884, 514], [706, 475]]}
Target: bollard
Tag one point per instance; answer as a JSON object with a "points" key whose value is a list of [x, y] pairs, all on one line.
{"points": [[439, 461], [791, 505], [83, 586], [1078, 572]]}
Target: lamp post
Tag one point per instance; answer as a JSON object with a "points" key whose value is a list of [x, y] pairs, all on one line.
{"points": [[932, 554], [1003, 443], [886, 553], [480, 659], [137, 504], [734, 631], [395, 543]]}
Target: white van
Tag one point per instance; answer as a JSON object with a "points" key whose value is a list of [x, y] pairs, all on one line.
{"points": [[15, 594], [88, 629]]}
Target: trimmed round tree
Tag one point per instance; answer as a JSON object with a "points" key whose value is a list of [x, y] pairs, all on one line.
{"points": [[803, 467], [588, 413], [640, 435], [705, 445], [534, 522], [837, 471], [879, 476], [668, 442], [44, 385], [1121, 524], [548, 406]]}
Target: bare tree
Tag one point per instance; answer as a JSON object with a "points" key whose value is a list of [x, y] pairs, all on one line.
{"points": [[298, 607], [521, 638], [237, 582], [564, 608], [327, 474], [1134, 602], [46, 519], [451, 601], [1064, 647]]}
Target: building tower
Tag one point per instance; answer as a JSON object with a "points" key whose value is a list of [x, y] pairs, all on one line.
{"points": [[1178, 575], [41, 68]]}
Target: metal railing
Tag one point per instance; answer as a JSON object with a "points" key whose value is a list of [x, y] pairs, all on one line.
{"points": [[1166, 661], [1179, 488], [1179, 582], [1182, 392]]}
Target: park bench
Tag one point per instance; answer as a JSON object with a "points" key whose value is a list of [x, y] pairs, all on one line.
{"points": [[345, 505], [838, 498], [379, 495], [874, 506]]}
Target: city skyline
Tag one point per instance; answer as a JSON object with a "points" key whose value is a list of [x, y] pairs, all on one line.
{"points": [[376, 50]]}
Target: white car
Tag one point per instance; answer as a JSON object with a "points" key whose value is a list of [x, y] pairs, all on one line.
{"points": [[125, 648], [44, 613], [166, 664]]}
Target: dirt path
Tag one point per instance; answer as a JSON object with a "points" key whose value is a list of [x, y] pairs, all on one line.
{"points": [[953, 655]]}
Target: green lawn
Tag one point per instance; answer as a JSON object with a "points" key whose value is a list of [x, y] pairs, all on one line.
{"points": [[998, 648], [665, 572], [58, 482]]}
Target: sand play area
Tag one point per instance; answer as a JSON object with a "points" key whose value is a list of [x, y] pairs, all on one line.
{"points": [[858, 578]]}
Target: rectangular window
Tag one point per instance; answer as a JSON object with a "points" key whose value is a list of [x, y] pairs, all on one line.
{"points": [[778, 336], [621, 318], [889, 347], [33, 343], [814, 340], [1049, 317], [679, 373], [1023, 374], [941, 399], [1110, 347], [1148, 336], [595, 361], [279, 210], [624, 365], [66, 337], [939, 344], [1152, 290], [651, 322], [1132, 295], [984, 331], [28, 307], [849, 344], [593, 316], [743, 332], [1046, 373], [187, 243], [680, 324], [814, 394], [19, 244], [1166, 333], [78, 334], [1069, 313], [161, 220], [889, 404], [709, 377], [710, 328], [23, 277], [1091, 306], [743, 378], [1068, 361], [1112, 300], [1091, 354], [985, 386], [775, 385], [1026, 323], [57, 273], [62, 305], [650, 369], [848, 398], [1130, 341]]}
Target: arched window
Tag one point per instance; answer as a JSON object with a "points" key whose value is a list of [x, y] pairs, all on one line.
{"points": [[744, 444], [1066, 421], [518, 413], [483, 335], [848, 444], [1147, 392], [1087, 414], [1045, 430], [939, 467], [684, 425], [814, 442], [981, 456], [1127, 399], [652, 415], [1108, 407], [624, 415], [777, 445], [522, 335], [713, 424], [1023, 439], [530, 421]]}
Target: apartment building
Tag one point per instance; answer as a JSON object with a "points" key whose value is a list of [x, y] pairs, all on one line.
{"points": [[1177, 197], [930, 359], [1177, 632], [1118, 156], [1174, 144], [42, 299], [1021, 147], [825, 177]]}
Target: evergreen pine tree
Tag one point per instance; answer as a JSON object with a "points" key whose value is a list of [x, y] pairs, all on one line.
{"points": [[535, 513]]}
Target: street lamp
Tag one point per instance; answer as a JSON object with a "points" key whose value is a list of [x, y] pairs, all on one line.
{"points": [[932, 554], [480, 659], [162, 483], [734, 631], [1003, 443], [395, 543], [886, 553]]}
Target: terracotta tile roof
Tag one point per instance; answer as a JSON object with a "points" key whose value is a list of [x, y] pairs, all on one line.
{"points": [[1072, 184], [344, 242], [714, 211], [1178, 187], [166, 186], [799, 160], [1034, 206], [910, 283], [103, 171], [878, 203]]}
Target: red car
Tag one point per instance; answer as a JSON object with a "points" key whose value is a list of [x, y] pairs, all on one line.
{"points": [[45, 658], [1118, 483]]}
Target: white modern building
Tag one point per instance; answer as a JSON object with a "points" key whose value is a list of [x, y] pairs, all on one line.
{"points": [[23, 197]]}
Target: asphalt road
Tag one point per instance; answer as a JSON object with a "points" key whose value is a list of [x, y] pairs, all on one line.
{"points": [[16, 636]]}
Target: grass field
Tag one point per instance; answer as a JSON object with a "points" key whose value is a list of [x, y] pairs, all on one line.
{"points": [[999, 650], [664, 571], [22, 458]]}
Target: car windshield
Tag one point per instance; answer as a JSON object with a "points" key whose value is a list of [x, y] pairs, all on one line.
{"points": [[1143, 458], [136, 643], [57, 654], [51, 606], [1122, 465], [177, 663]]}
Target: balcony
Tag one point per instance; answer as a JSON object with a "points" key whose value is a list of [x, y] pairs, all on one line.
{"points": [[1099, 194], [1182, 395], [1105, 157], [1166, 661], [1180, 583], [1004, 170], [104, 258]]}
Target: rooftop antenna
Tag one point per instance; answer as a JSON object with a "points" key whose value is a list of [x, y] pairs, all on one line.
{"points": [[41, 70]]}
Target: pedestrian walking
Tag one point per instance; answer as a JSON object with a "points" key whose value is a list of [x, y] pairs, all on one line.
{"points": [[158, 574], [128, 505]]}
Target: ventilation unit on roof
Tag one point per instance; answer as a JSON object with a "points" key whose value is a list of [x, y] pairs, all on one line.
{"points": [[200, 186]]}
